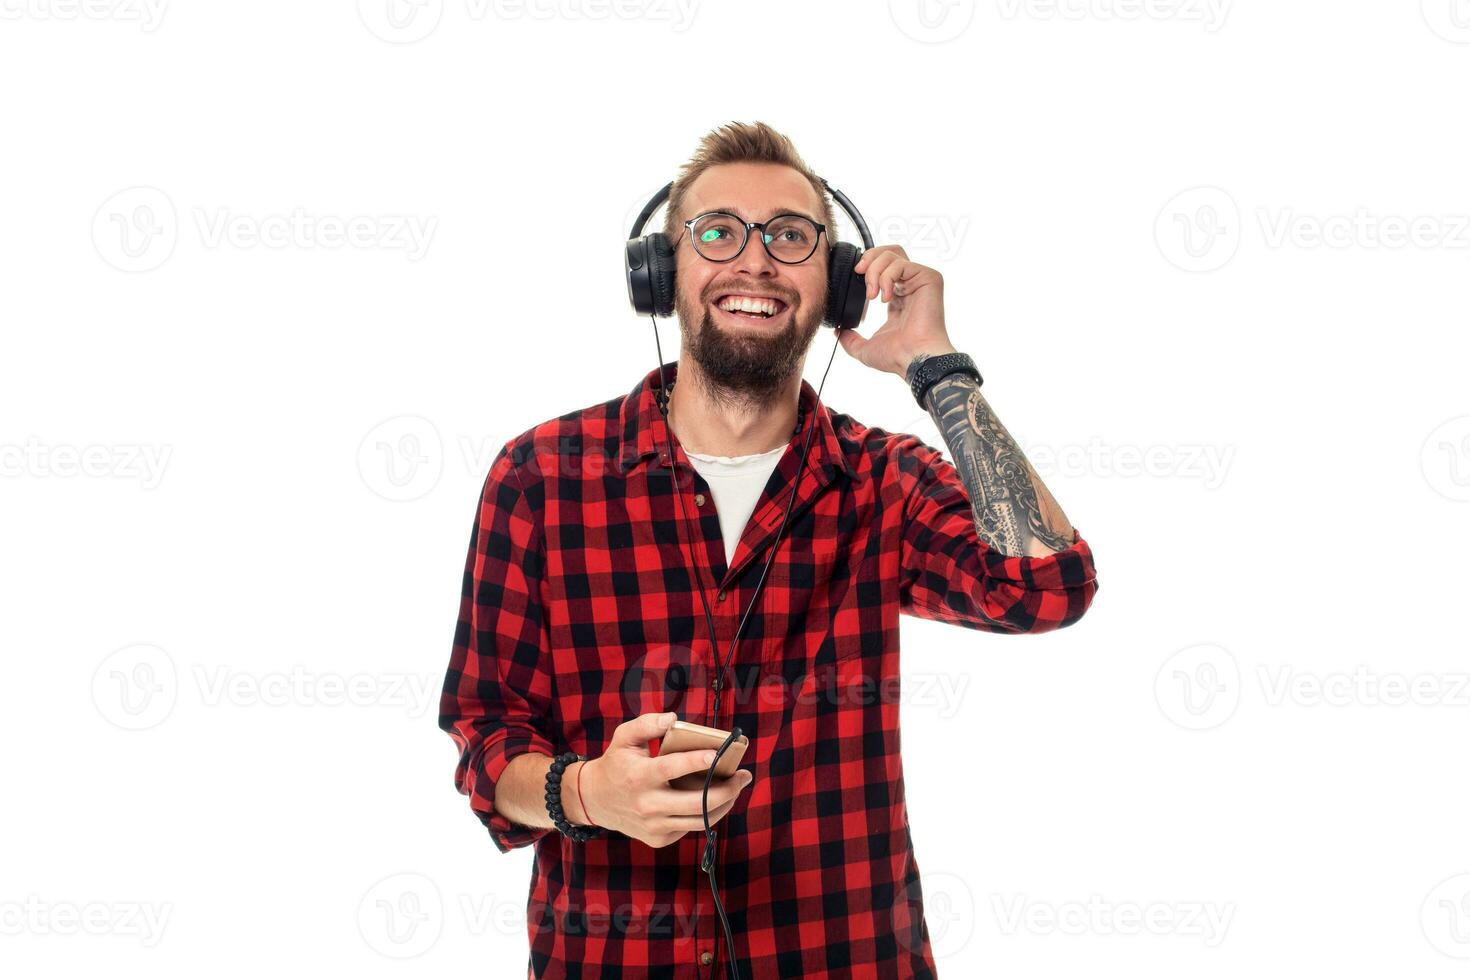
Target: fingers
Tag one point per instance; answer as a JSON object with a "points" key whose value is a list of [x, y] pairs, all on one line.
{"points": [[716, 814], [675, 828], [682, 825], [669, 814], [889, 273], [883, 278], [875, 271], [895, 276], [876, 252], [875, 262], [688, 802], [643, 729], [671, 765]]}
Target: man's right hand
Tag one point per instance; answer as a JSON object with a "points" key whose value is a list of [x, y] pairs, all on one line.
{"points": [[627, 788]]}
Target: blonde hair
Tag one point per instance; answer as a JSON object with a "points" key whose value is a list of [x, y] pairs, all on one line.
{"points": [[739, 142]]}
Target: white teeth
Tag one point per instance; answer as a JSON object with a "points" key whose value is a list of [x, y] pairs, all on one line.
{"points": [[748, 304]]}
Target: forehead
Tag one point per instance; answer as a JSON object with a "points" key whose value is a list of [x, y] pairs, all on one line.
{"points": [[753, 190]]}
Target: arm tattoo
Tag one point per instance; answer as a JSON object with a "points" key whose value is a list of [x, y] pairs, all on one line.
{"points": [[1014, 512]]}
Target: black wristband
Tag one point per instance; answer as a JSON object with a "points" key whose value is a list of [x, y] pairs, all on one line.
{"points": [[931, 369], [553, 799]]}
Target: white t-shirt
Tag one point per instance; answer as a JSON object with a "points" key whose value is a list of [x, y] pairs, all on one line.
{"points": [[736, 482]]}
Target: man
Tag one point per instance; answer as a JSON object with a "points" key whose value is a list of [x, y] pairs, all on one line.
{"points": [[582, 626]]}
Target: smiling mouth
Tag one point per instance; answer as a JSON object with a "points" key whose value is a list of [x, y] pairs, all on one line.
{"points": [[750, 306]]}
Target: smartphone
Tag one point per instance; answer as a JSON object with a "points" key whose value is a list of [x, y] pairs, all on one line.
{"points": [[685, 736]]}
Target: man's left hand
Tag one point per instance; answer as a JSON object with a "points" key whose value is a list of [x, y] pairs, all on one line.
{"points": [[915, 325]]}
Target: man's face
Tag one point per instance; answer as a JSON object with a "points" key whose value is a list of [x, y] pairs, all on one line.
{"points": [[739, 352]]}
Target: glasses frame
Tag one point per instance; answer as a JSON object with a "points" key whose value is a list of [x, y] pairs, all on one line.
{"points": [[748, 226]]}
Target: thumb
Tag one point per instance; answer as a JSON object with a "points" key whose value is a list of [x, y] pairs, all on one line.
{"points": [[641, 730]]}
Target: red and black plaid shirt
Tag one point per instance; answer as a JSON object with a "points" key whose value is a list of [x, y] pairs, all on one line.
{"points": [[579, 612]]}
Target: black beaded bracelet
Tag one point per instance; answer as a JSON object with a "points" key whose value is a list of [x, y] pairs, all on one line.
{"points": [[553, 799]]}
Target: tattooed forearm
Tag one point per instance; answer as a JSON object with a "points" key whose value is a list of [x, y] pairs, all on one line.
{"points": [[1014, 512]]}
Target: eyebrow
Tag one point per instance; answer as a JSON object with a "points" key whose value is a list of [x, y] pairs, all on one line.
{"points": [[774, 214]]}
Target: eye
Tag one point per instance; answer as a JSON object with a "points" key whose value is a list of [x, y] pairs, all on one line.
{"points": [[715, 229], [790, 230]]}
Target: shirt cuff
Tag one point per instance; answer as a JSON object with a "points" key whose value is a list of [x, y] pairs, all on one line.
{"points": [[1070, 568], [497, 755]]}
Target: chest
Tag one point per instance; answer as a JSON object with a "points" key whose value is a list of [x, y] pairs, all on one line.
{"points": [[643, 606]]}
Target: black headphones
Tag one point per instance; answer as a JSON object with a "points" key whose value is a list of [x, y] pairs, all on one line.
{"points": [[650, 267]]}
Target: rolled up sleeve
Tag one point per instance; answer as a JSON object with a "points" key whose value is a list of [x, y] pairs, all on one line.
{"points": [[497, 692], [949, 574]]}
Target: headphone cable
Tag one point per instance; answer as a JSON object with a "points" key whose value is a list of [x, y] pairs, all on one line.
{"points": [[707, 861]]}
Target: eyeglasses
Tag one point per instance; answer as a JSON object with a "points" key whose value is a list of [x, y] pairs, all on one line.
{"points": [[788, 238]]}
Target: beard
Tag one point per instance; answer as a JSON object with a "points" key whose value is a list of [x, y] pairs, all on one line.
{"points": [[745, 365]]}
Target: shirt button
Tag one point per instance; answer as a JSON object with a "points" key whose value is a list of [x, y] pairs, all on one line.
{"points": [[699, 499], [706, 957], [721, 596]]}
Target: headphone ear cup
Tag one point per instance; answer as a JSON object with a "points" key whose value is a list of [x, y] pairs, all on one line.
{"points": [[847, 292], [635, 266], [661, 273], [649, 264]]}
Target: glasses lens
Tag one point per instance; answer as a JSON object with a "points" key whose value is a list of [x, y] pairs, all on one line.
{"points": [[791, 238], [717, 236]]}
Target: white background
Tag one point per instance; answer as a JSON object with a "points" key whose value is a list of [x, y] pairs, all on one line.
{"points": [[1210, 256]]}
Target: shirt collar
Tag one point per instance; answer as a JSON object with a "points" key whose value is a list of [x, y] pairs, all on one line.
{"points": [[639, 416]]}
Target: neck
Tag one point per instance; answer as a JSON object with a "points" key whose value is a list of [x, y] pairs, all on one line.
{"points": [[720, 423]]}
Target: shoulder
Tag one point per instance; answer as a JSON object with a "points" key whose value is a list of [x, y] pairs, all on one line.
{"points": [[875, 453]]}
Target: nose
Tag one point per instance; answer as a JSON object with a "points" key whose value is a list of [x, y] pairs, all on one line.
{"points": [[753, 257]]}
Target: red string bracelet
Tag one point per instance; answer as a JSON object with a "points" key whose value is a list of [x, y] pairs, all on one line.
{"points": [[582, 798]]}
